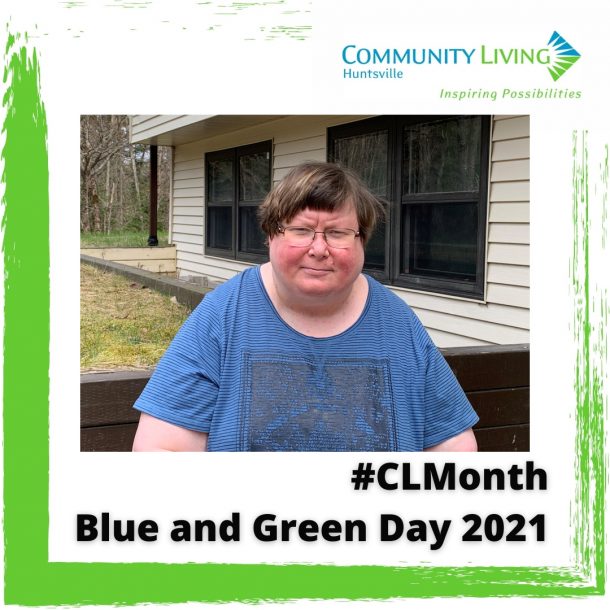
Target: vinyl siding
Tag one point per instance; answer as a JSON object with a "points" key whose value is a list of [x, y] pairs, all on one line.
{"points": [[145, 126], [507, 278], [502, 318]]}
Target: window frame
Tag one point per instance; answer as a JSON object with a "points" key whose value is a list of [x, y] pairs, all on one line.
{"points": [[396, 246], [234, 153]]}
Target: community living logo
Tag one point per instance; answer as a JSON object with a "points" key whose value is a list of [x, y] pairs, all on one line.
{"points": [[565, 56], [557, 56]]}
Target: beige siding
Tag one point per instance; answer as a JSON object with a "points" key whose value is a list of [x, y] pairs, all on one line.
{"points": [[445, 339], [494, 313], [512, 275], [502, 171], [509, 212], [145, 126], [509, 233], [489, 332], [508, 150], [187, 213], [508, 237], [511, 128], [510, 191], [292, 148], [508, 254], [503, 317]]}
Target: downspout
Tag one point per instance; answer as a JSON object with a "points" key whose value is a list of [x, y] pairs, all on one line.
{"points": [[152, 208], [170, 237]]}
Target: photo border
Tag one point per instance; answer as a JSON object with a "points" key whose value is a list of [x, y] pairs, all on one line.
{"points": [[30, 579]]}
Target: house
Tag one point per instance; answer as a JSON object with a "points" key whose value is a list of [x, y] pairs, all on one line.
{"points": [[455, 244]]}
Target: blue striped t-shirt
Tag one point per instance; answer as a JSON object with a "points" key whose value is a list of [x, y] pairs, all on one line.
{"points": [[237, 371]]}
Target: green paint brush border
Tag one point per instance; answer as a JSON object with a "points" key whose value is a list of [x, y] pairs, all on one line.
{"points": [[31, 580]]}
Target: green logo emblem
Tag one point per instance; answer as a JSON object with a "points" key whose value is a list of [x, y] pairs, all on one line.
{"points": [[564, 56]]}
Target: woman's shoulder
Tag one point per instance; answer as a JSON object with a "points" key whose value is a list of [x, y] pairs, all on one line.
{"points": [[388, 298], [395, 311], [223, 301]]}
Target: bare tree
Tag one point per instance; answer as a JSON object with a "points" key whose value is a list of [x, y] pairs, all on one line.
{"points": [[115, 177]]}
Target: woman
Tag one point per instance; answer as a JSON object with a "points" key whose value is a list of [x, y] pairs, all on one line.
{"points": [[305, 353]]}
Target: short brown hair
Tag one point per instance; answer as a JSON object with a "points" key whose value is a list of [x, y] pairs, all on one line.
{"points": [[319, 186]]}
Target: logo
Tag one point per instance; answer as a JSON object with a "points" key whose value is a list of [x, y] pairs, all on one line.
{"points": [[565, 56], [558, 56]]}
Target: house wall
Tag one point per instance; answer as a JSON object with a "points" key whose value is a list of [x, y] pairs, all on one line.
{"points": [[143, 127], [503, 318]]}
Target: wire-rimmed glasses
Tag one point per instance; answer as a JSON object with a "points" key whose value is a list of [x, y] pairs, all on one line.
{"points": [[304, 236]]}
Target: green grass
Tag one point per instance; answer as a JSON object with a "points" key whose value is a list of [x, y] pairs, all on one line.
{"points": [[119, 239], [124, 324]]}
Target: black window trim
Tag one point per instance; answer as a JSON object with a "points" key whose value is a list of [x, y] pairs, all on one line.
{"points": [[394, 255], [234, 153]]}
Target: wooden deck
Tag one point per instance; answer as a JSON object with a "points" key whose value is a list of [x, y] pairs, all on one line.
{"points": [[157, 260], [495, 379]]}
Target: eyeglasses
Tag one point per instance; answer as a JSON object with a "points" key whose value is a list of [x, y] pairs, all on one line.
{"points": [[303, 236]]}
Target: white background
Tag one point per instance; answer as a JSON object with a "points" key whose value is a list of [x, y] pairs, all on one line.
{"points": [[103, 59]]}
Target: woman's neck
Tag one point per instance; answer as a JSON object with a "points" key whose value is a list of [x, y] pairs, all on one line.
{"points": [[316, 316]]}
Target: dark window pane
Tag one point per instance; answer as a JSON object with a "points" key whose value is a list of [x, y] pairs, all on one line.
{"points": [[443, 240], [219, 227], [367, 156], [254, 176], [220, 181], [375, 249], [251, 238], [442, 156]]}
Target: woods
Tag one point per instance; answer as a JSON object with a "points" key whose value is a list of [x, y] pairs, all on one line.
{"points": [[115, 177]]}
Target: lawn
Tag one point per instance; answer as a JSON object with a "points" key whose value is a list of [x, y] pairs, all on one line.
{"points": [[119, 239], [124, 324]]}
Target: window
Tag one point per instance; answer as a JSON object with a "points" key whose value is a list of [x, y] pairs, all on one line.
{"points": [[237, 180], [431, 171]]}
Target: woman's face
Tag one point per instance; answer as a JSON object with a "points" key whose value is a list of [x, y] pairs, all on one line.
{"points": [[318, 270]]}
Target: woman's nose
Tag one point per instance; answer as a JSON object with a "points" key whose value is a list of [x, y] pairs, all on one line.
{"points": [[319, 247]]}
